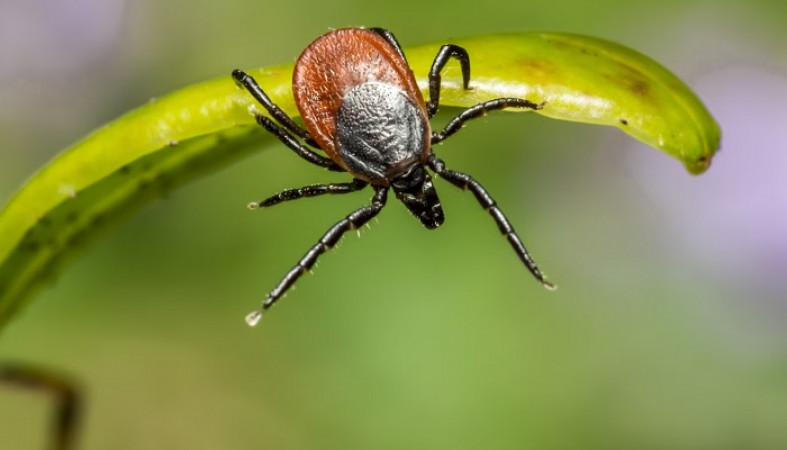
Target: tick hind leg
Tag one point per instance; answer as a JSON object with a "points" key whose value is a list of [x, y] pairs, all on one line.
{"points": [[283, 134], [250, 84], [466, 182], [300, 149], [388, 36], [354, 220], [446, 52]]}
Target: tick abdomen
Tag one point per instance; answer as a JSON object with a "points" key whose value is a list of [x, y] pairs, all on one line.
{"points": [[379, 131]]}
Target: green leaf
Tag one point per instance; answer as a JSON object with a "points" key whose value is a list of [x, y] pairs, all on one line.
{"points": [[203, 127]]}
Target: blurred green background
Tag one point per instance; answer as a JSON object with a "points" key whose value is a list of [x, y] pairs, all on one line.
{"points": [[667, 330]]}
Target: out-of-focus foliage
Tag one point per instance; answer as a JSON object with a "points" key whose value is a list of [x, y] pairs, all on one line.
{"points": [[666, 332]]}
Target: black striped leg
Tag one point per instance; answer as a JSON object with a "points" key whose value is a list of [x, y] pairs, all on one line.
{"points": [[480, 110], [388, 36], [248, 82], [466, 182], [310, 191], [353, 221], [290, 141], [446, 52], [69, 401]]}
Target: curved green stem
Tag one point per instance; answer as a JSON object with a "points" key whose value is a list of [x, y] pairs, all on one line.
{"points": [[199, 129]]}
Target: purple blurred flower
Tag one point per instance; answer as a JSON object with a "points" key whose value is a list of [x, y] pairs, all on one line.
{"points": [[734, 217]]}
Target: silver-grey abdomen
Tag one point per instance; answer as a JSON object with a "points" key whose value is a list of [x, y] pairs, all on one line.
{"points": [[379, 131]]}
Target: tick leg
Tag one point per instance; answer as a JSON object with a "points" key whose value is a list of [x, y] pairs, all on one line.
{"points": [[66, 418], [248, 82], [388, 36], [466, 182], [310, 191], [480, 110], [446, 52], [296, 146], [353, 221]]}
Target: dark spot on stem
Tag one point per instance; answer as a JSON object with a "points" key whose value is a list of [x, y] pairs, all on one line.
{"points": [[537, 68], [639, 87]]}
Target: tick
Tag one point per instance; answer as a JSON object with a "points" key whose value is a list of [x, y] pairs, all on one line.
{"points": [[361, 106]]}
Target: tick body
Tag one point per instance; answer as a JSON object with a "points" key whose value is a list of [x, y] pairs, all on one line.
{"points": [[361, 106]]}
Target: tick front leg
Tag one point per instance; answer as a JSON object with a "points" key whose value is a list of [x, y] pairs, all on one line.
{"points": [[480, 110], [353, 221], [310, 191], [466, 182]]}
